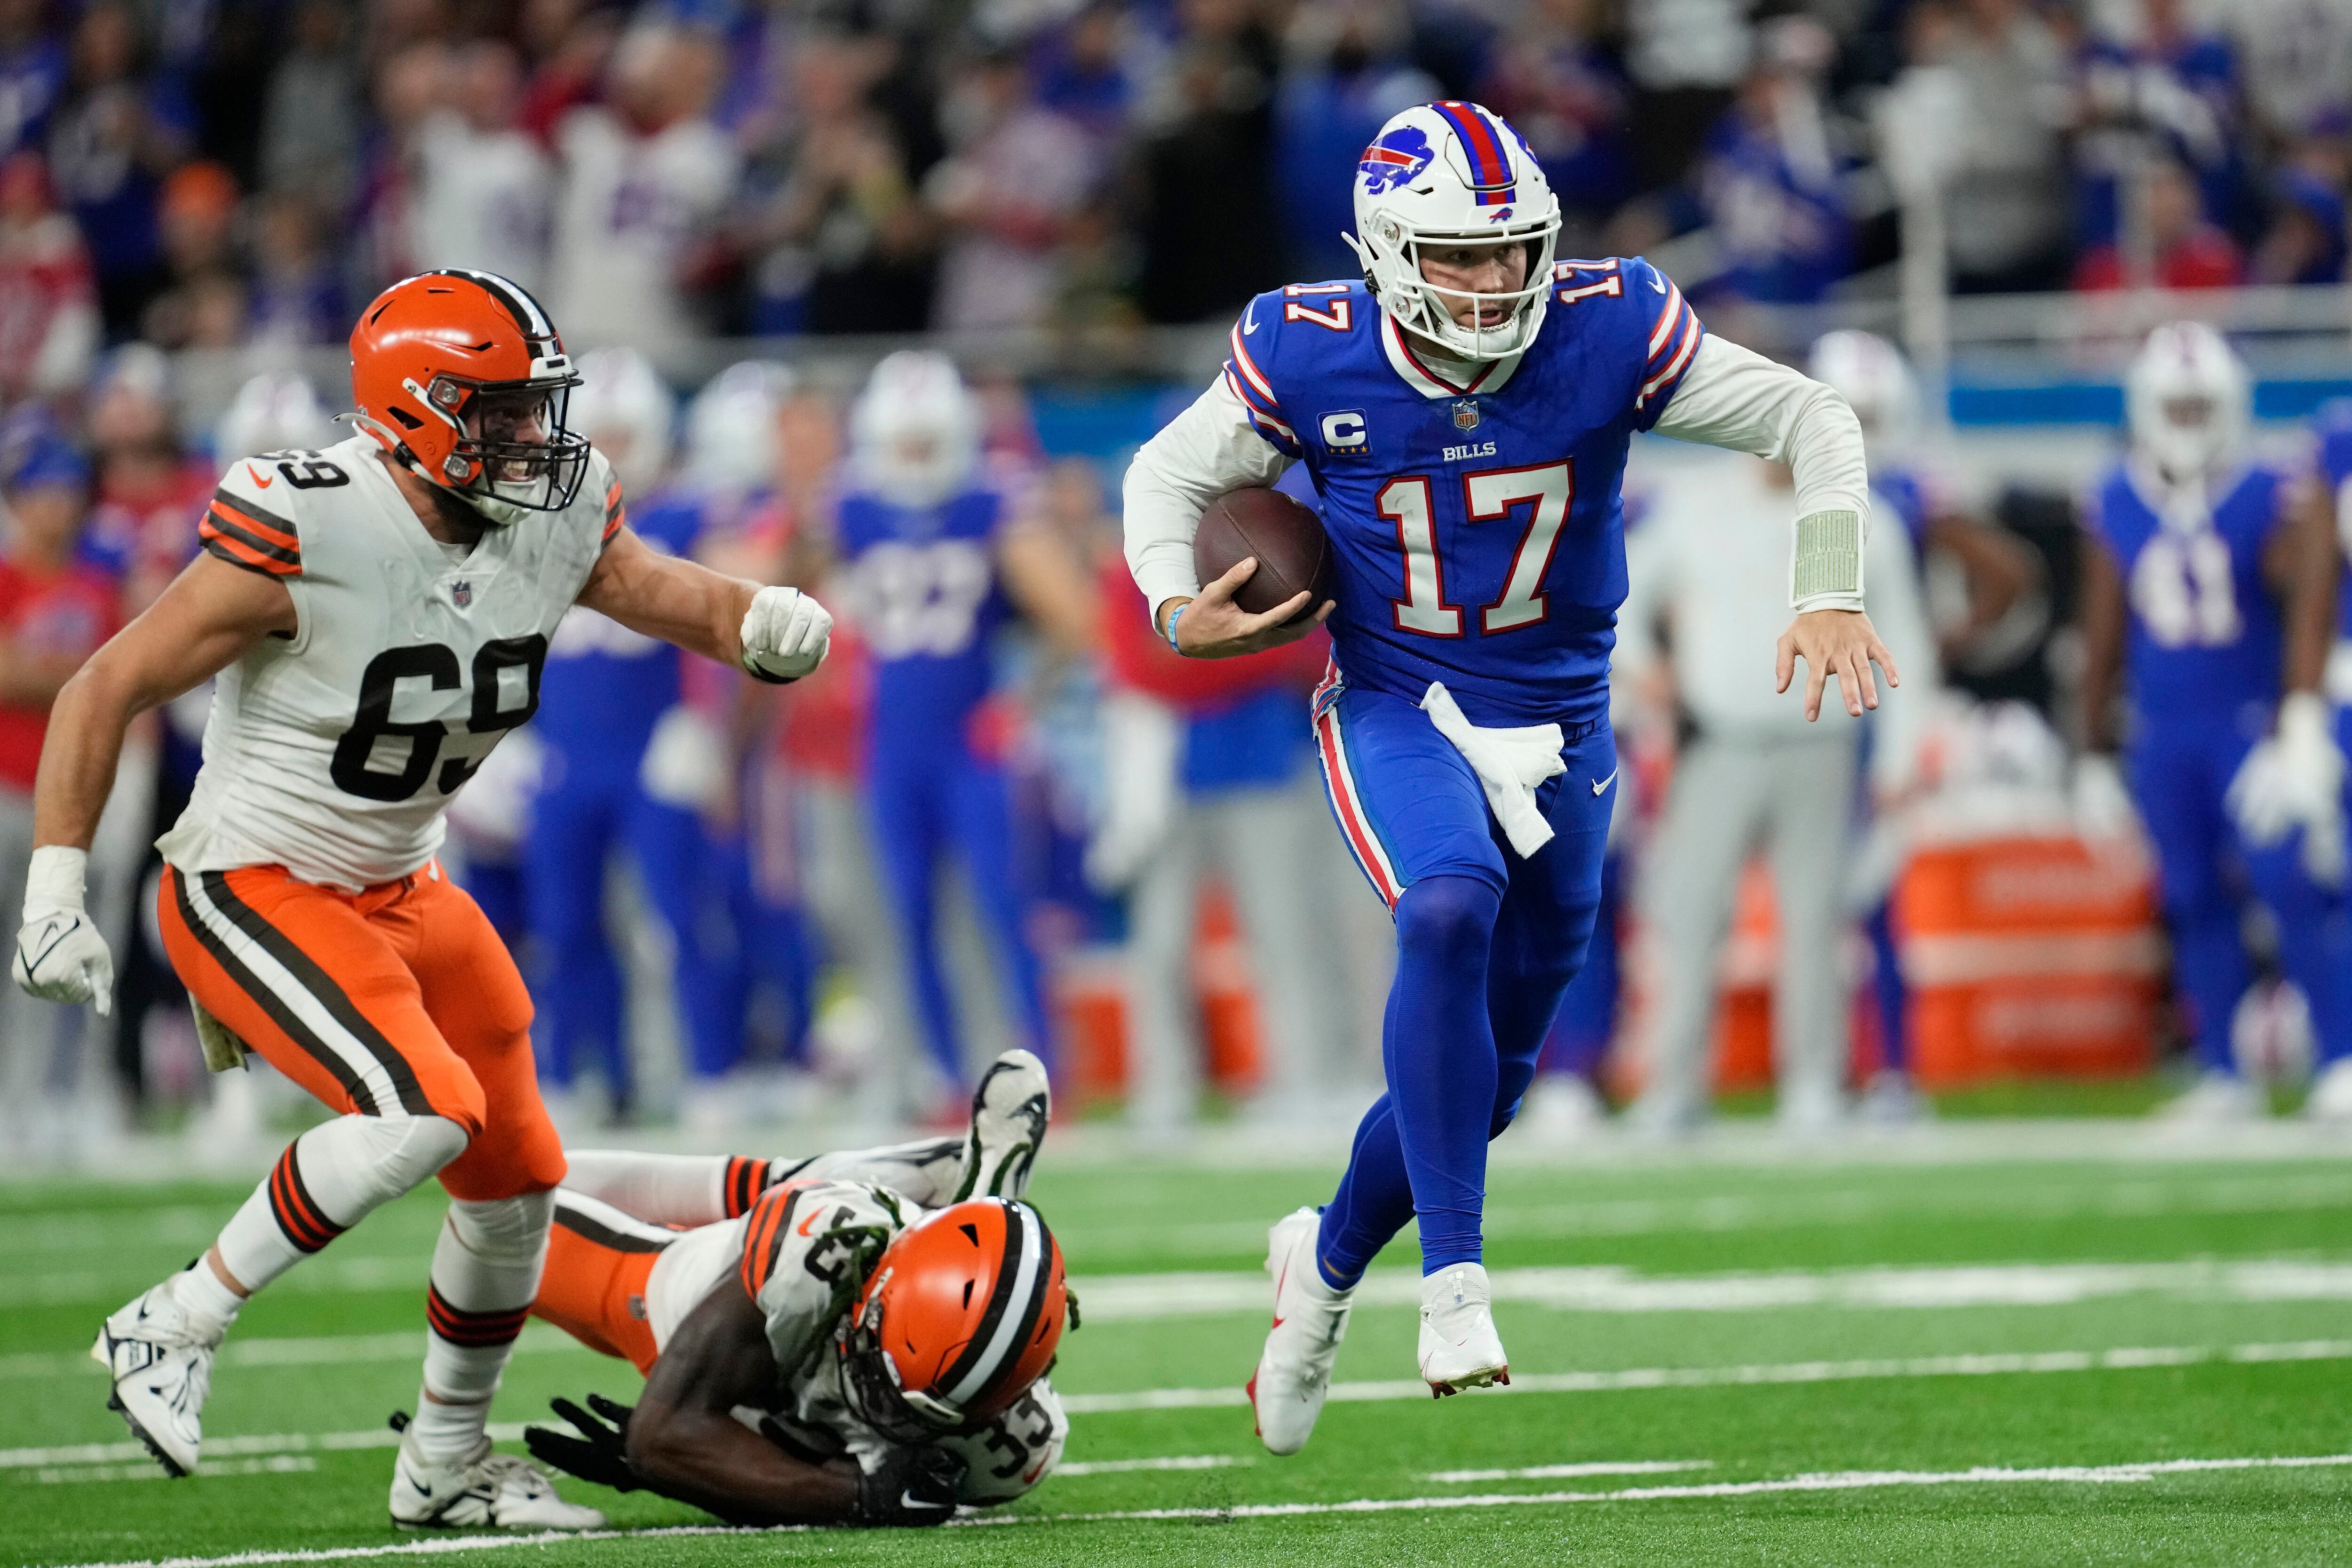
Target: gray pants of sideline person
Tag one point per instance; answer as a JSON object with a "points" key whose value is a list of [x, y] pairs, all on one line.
{"points": [[1792, 798]]}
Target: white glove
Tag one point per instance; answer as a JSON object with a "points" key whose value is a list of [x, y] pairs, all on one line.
{"points": [[60, 957], [785, 635], [2103, 807], [1142, 740], [685, 763], [2296, 779]]}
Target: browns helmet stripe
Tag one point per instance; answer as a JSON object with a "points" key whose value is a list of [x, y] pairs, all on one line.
{"points": [[1012, 1309], [517, 300]]}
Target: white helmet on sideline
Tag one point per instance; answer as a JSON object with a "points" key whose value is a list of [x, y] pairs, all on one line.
{"points": [[1870, 374], [1457, 173], [2189, 399], [275, 411], [915, 435], [626, 410], [730, 428]]}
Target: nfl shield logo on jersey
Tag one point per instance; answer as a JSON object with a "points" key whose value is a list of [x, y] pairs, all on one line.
{"points": [[1465, 414], [461, 592]]}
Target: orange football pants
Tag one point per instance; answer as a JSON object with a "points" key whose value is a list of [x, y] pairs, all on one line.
{"points": [[594, 1287], [398, 1000]]}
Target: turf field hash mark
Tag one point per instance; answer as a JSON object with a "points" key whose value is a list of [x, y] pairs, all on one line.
{"points": [[1569, 1472], [280, 1465], [1840, 1480]]}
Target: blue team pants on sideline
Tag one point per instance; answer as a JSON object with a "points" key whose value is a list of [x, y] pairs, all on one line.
{"points": [[2180, 771], [576, 823], [930, 799], [1486, 945]]}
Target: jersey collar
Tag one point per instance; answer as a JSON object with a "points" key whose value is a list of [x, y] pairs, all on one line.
{"points": [[1418, 375]]}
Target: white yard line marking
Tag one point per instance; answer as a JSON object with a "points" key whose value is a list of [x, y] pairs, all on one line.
{"points": [[1172, 1462], [1570, 1472], [279, 1464], [294, 1351], [229, 1447], [1840, 1480], [1609, 1289], [1145, 1298], [1636, 1378]]}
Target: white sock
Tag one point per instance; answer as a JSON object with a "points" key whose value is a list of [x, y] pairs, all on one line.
{"points": [[200, 1290], [448, 1432], [667, 1189]]}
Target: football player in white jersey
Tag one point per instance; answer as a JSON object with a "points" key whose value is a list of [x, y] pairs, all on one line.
{"points": [[377, 612], [885, 1317]]}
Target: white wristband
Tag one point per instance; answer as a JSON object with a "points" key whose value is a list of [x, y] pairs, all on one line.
{"points": [[53, 883], [2304, 718]]}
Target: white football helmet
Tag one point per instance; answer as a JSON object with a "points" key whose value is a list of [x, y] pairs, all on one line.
{"points": [[275, 411], [915, 435], [626, 410], [1454, 172], [730, 428], [1870, 374], [2189, 399]]}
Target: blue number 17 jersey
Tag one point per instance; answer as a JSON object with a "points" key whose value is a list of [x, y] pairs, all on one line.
{"points": [[1478, 528]]}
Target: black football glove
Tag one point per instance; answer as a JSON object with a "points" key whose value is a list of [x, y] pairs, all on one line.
{"points": [[909, 1487], [600, 1455]]}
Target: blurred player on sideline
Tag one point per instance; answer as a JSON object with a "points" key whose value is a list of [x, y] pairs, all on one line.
{"points": [[2211, 594], [2331, 1091], [1464, 408], [888, 1316], [1996, 571], [623, 764], [934, 564], [379, 612]]}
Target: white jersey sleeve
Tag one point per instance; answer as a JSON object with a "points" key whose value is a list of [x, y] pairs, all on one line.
{"points": [[1208, 450], [334, 752]]}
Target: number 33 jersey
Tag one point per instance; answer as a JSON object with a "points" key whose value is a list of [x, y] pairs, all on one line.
{"points": [[1477, 523], [334, 752], [2205, 637]]}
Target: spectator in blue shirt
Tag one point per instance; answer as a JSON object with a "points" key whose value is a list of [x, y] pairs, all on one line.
{"points": [[2176, 86], [114, 138], [1771, 178], [1347, 77], [32, 75]]}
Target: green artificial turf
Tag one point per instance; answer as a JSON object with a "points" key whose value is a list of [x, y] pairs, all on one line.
{"points": [[1851, 1293]]}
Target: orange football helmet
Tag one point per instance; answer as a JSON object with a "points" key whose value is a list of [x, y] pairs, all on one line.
{"points": [[962, 1313], [463, 379]]}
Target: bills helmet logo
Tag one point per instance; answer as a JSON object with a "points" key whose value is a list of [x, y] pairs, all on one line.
{"points": [[461, 594], [1394, 160]]}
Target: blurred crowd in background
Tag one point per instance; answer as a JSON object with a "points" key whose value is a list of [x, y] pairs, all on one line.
{"points": [[224, 173], [736, 905]]}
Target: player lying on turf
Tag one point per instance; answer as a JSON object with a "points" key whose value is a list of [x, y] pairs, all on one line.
{"points": [[1464, 408], [378, 613], [818, 1348]]}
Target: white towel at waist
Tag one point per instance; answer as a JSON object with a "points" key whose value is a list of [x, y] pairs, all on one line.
{"points": [[1509, 763]]}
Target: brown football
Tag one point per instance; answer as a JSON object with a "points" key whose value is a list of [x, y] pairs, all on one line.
{"points": [[1292, 550]]}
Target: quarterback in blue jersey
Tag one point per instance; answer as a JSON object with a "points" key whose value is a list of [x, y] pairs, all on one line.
{"points": [[2211, 592], [1464, 410], [936, 569]]}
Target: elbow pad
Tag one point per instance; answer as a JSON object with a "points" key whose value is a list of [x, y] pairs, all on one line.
{"points": [[1825, 571]]}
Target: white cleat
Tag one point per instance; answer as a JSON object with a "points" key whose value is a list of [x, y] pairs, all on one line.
{"points": [[160, 1356], [2216, 1100], [1310, 1319], [490, 1492], [1009, 1112], [2331, 1094], [1459, 1347]]}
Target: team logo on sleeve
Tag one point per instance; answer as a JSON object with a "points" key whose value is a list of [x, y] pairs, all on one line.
{"points": [[1394, 160], [1465, 414], [1346, 435]]}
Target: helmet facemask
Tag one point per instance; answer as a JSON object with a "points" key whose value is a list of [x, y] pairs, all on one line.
{"points": [[512, 453], [1391, 250]]}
